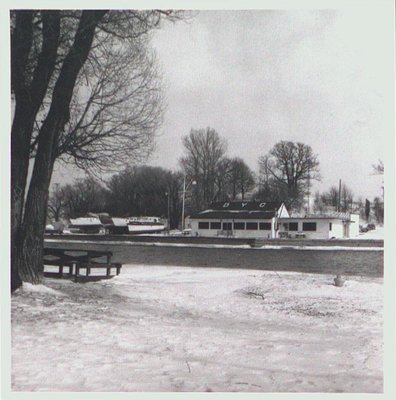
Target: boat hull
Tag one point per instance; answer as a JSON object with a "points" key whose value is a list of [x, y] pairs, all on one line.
{"points": [[139, 229]]}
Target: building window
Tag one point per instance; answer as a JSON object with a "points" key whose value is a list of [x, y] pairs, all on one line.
{"points": [[293, 226], [215, 225], [203, 225], [330, 226], [251, 226], [239, 225], [309, 226], [227, 226], [265, 226]]}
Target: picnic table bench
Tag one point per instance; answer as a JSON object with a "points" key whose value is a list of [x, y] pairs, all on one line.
{"points": [[284, 235], [78, 260], [300, 235]]}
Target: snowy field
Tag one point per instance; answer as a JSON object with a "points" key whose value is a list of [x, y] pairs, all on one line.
{"points": [[376, 234], [156, 328]]}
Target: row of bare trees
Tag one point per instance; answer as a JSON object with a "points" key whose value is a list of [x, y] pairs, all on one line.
{"points": [[155, 191], [336, 198], [216, 176], [286, 174], [148, 190], [135, 191]]}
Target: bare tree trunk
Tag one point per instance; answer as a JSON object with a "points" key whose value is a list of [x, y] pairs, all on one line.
{"points": [[28, 100], [29, 257], [20, 47], [30, 253], [19, 171]]}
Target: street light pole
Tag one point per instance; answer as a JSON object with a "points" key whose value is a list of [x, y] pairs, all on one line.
{"points": [[167, 194], [184, 196]]}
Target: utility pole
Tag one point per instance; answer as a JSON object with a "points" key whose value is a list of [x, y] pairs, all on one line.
{"points": [[309, 188]]}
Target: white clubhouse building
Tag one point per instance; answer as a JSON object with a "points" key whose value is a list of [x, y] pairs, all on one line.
{"points": [[269, 220]]}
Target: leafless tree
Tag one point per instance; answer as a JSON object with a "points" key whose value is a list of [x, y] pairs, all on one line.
{"points": [[330, 198], [334, 200], [319, 204], [291, 166], [205, 150], [145, 190], [222, 180], [264, 173], [241, 178], [82, 197], [52, 54], [346, 198], [378, 207], [56, 204], [116, 112], [378, 168]]}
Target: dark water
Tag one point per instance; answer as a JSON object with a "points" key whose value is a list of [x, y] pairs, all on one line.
{"points": [[363, 263]]}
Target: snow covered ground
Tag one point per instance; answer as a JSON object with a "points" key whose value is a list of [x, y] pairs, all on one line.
{"points": [[197, 329]]}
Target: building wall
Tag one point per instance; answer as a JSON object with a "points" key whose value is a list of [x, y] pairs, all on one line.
{"points": [[337, 229], [250, 234], [354, 227], [322, 228]]}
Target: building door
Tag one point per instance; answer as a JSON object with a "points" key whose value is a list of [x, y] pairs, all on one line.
{"points": [[345, 230], [227, 226]]}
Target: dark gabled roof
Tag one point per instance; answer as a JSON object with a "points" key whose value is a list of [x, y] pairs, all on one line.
{"points": [[233, 215], [239, 210], [245, 205]]}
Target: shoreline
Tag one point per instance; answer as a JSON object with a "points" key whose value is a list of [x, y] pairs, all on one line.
{"points": [[189, 241], [309, 247]]}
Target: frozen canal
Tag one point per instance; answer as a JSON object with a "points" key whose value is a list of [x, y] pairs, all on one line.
{"points": [[156, 328], [353, 261]]}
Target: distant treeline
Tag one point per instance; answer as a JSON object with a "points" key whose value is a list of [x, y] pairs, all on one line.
{"points": [[207, 175]]}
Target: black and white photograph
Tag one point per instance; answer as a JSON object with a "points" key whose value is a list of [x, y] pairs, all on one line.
{"points": [[198, 198]]}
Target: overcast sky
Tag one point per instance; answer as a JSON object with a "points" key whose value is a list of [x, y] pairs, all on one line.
{"points": [[258, 77]]}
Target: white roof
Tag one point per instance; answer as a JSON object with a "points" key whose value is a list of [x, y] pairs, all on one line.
{"points": [[85, 221]]}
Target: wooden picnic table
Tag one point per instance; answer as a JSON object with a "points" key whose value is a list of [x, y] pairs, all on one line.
{"points": [[300, 235], [79, 259], [284, 235]]}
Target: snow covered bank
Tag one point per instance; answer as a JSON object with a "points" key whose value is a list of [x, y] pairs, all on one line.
{"points": [[324, 248], [224, 246], [192, 329]]}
